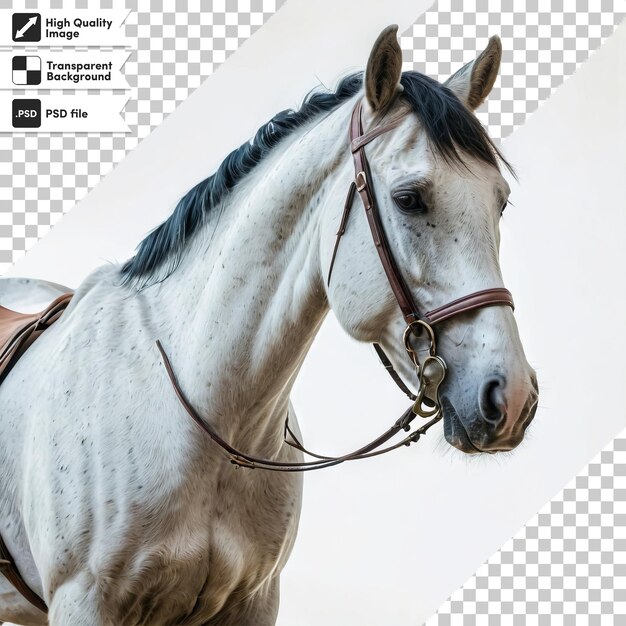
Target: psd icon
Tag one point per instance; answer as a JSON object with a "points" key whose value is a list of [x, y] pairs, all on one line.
{"points": [[26, 113], [26, 70], [26, 27]]}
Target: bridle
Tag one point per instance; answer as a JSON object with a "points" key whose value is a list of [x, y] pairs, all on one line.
{"points": [[430, 371]]}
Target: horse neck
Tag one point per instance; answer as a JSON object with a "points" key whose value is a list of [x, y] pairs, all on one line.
{"points": [[249, 296]]}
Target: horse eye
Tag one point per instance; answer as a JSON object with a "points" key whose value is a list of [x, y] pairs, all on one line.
{"points": [[409, 201], [506, 204]]}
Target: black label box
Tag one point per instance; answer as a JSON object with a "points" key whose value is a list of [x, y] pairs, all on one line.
{"points": [[26, 27], [26, 113]]}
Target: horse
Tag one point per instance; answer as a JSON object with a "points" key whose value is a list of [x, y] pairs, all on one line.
{"points": [[116, 508]]}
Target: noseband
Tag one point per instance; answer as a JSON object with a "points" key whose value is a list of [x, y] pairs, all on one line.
{"points": [[430, 371]]}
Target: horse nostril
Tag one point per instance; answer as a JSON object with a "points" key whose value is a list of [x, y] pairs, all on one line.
{"points": [[492, 400]]}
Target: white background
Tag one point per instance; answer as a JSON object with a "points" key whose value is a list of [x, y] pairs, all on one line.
{"points": [[386, 541]]}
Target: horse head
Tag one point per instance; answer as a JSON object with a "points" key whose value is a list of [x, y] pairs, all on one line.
{"points": [[439, 194]]}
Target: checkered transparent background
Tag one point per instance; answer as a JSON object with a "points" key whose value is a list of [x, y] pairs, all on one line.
{"points": [[566, 566], [175, 46], [543, 43], [42, 176]]}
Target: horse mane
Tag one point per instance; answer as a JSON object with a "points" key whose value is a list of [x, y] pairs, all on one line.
{"points": [[450, 126]]}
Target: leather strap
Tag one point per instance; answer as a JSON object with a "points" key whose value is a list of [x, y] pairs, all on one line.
{"points": [[363, 180], [363, 184], [19, 330], [363, 139], [496, 296], [342, 227], [386, 361], [488, 297], [12, 574], [242, 459]]}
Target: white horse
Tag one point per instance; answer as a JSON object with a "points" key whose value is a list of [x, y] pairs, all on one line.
{"points": [[116, 507]]}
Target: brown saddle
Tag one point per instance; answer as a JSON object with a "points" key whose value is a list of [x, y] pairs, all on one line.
{"points": [[18, 331]]}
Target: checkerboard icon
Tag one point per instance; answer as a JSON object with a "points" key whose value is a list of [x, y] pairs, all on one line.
{"points": [[26, 70]]}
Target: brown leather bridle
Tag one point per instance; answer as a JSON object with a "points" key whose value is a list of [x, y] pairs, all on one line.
{"points": [[430, 371]]}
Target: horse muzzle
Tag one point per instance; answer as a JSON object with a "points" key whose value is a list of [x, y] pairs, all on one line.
{"points": [[491, 426]]}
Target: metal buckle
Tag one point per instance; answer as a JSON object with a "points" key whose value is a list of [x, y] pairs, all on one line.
{"points": [[432, 372], [363, 184], [410, 330]]}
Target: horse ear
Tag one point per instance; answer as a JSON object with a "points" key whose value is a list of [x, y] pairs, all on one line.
{"points": [[473, 82], [384, 67]]}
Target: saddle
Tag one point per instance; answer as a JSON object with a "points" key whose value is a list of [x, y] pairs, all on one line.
{"points": [[18, 331]]}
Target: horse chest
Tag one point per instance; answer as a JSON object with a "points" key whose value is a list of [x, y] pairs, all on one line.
{"points": [[170, 553], [202, 555], [142, 506]]}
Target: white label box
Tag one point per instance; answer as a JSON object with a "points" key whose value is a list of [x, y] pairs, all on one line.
{"points": [[63, 28], [69, 113], [62, 69]]}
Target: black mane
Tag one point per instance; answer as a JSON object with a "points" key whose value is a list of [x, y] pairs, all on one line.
{"points": [[451, 129]]}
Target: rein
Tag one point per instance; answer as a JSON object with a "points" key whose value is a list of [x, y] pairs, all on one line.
{"points": [[430, 372], [242, 459]]}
